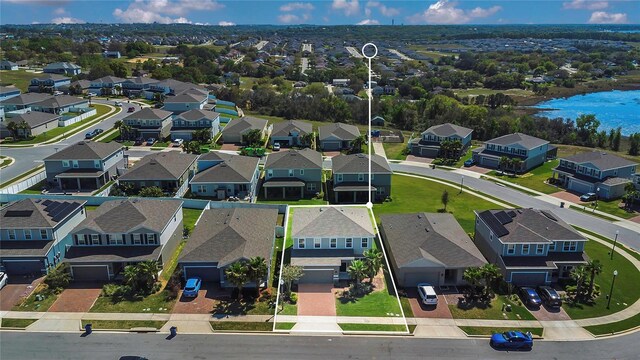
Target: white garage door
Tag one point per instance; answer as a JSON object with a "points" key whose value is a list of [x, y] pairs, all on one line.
{"points": [[412, 279]]}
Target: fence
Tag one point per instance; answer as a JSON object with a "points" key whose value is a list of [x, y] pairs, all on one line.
{"points": [[105, 191], [224, 120], [25, 184], [226, 103], [226, 111], [66, 121], [182, 190], [391, 136]]}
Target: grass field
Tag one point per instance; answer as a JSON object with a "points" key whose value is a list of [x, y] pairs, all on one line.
{"points": [[32, 304], [633, 253], [155, 303], [493, 311], [285, 325], [626, 324], [394, 150], [612, 207], [189, 217], [4, 161], [406, 307], [377, 303], [477, 330], [17, 323], [533, 179], [19, 78], [123, 324], [373, 327], [241, 326]]}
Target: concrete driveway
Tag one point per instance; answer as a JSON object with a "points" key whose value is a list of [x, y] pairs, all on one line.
{"points": [[231, 147], [16, 290], [545, 313], [440, 311], [78, 297], [479, 169], [419, 159], [204, 303], [316, 300]]}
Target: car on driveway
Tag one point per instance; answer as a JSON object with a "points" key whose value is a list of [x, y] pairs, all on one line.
{"points": [[139, 141], [427, 294], [3, 279], [512, 340], [177, 142], [192, 287], [588, 197], [94, 133], [469, 163], [151, 141], [549, 296], [276, 147], [529, 296]]}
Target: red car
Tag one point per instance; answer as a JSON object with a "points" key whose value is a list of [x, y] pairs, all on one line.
{"points": [[131, 109]]}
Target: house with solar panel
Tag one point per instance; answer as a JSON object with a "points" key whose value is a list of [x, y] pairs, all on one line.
{"points": [[531, 247], [34, 234]]}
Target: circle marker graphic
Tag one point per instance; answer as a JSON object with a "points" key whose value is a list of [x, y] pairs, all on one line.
{"points": [[375, 50], [369, 205]]}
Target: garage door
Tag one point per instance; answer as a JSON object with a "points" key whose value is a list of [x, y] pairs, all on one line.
{"points": [[23, 267], [317, 276], [331, 145], [579, 187], [428, 152], [90, 273], [531, 279], [414, 278], [489, 162], [206, 273]]}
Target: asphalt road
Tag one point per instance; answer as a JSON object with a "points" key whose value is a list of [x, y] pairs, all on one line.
{"points": [[97, 346]]}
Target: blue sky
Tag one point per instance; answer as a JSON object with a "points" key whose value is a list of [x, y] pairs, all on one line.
{"points": [[326, 12]]}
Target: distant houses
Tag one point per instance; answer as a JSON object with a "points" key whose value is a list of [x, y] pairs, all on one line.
{"points": [[62, 68], [338, 136], [48, 83], [8, 65]]}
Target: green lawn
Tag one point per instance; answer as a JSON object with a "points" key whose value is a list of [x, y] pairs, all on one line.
{"points": [[170, 266], [90, 207], [611, 207], [394, 150], [534, 179], [189, 217], [493, 311], [465, 157], [17, 323], [377, 303], [241, 326], [35, 189], [627, 324], [160, 145], [20, 78], [633, 253], [289, 309], [412, 195], [155, 303], [625, 291], [285, 325], [483, 330], [32, 304], [4, 161], [373, 327], [123, 324], [111, 137], [406, 307]]}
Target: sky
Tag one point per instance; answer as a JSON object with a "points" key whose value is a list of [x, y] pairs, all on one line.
{"points": [[320, 12]]}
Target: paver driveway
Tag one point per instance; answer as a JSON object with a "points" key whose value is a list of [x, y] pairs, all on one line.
{"points": [[203, 304], [316, 300], [78, 297], [15, 290], [545, 313], [440, 311]]}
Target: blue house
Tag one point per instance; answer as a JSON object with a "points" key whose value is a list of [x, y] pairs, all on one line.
{"points": [[428, 144], [62, 68], [186, 123], [530, 150], [222, 175], [48, 83], [106, 85], [7, 92], [189, 100], [137, 86]]}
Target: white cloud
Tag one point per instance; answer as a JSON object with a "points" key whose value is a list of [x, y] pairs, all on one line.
{"points": [[445, 12], [348, 7], [585, 4], [226, 23], [601, 17], [289, 18], [59, 11], [369, 22], [297, 12], [163, 11], [384, 10], [297, 6], [67, 20]]}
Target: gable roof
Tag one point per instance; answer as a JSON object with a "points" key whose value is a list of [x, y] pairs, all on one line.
{"points": [[294, 159], [8, 89], [428, 239], [149, 114], [169, 165], [109, 80], [34, 118], [185, 98], [359, 163], [36, 213], [54, 77], [448, 129], [244, 124], [25, 99], [235, 168], [123, 216], [60, 101], [197, 114], [286, 127], [142, 80], [228, 235], [601, 160], [331, 221], [86, 150], [61, 65], [526, 141], [338, 130]]}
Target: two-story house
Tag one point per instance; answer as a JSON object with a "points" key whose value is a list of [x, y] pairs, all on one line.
{"points": [[171, 87], [291, 133], [7, 92], [293, 174], [36, 123], [62, 68], [62, 104], [170, 171], [124, 232], [187, 122], [351, 178], [222, 175], [530, 150], [34, 234], [150, 123], [106, 85], [225, 236], [327, 239], [531, 247], [429, 142], [188, 100], [235, 131], [337, 136], [86, 165], [137, 86], [597, 172], [48, 83]]}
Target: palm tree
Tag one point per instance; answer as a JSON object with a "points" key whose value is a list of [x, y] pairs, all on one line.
{"points": [[357, 143], [491, 273], [118, 124], [130, 275], [504, 163], [237, 274], [373, 262], [357, 270], [307, 139], [594, 267], [149, 268], [12, 126], [631, 193], [445, 199], [472, 276], [516, 163], [579, 274], [257, 271]]}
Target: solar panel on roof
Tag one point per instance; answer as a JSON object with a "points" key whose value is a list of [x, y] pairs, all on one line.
{"points": [[18, 213], [66, 211], [52, 207], [62, 209], [503, 217], [46, 202], [494, 224], [512, 213]]}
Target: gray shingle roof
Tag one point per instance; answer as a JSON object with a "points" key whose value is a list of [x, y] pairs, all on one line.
{"points": [[169, 165], [86, 150], [25, 99], [124, 216], [10, 88], [32, 213], [338, 130], [21, 248], [60, 101], [359, 163], [61, 65], [142, 80], [54, 77], [197, 114], [448, 129], [109, 80], [286, 127], [185, 98], [235, 168], [332, 221], [149, 114], [527, 141], [294, 159], [424, 239], [83, 254], [244, 124], [34, 118], [227, 235], [600, 159]]}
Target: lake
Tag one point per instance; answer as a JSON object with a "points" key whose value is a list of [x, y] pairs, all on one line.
{"points": [[613, 108]]}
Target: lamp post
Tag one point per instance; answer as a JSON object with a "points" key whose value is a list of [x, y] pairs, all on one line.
{"points": [[615, 273], [615, 241], [461, 183], [597, 192]]}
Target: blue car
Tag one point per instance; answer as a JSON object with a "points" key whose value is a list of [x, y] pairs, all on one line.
{"points": [[192, 287], [469, 163], [512, 340]]}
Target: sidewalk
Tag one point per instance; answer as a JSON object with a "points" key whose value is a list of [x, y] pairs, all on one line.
{"points": [[378, 149]]}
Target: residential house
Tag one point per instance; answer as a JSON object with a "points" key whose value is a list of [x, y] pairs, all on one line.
{"points": [[48, 83], [124, 232], [34, 234], [377, 121], [530, 150], [293, 174], [184, 124], [150, 123], [351, 178], [137, 86], [428, 248], [224, 236], [86, 165], [235, 131], [337, 136], [192, 100], [7, 92], [111, 54], [8, 65], [429, 142], [62, 68], [222, 175], [171, 87], [107, 85], [327, 239], [82, 85], [37, 123], [597, 172], [62, 104], [22, 102], [530, 246], [291, 133], [170, 171]]}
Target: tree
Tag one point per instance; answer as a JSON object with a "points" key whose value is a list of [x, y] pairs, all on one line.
{"points": [[253, 137], [472, 275], [587, 126], [504, 163], [579, 274], [634, 144], [490, 273], [357, 270], [257, 271], [191, 147], [202, 135], [99, 70], [616, 140], [307, 139], [12, 126], [290, 274], [151, 191], [118, 69], [630, 194], [516, 164], [140, 277], [357, 144], [150, 268], [238, 275], [373, 261], [445, 199], [594, 267]]}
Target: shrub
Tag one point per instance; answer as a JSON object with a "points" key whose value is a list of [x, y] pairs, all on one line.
{"points": [[406, 151], [58, 278], [293, 298], [320, 195], [173, 285], [109, 290]]}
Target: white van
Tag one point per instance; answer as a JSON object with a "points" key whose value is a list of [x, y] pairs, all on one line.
{"points": [[427, 294]]}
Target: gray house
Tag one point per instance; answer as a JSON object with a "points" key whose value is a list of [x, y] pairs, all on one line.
{"points": [[86, 165], [62, 104], [22, 101], [168, 170], [48, 83], [124, 232], [62, 68], [186, 123], [137, 86], [236, 129], [224, 236], [150, 123], [38, 123], [222, 175], [190, 100], [428, 247], [327, 239], [293, 174], [7, 92], [530, 150], [8, 65], [597, 172], [291, 133], [106, 85], [531, 247], [338, 136], [34, 234], [428, 144], [350, 178]]}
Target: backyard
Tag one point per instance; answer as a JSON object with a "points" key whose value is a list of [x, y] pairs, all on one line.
{"points": [[533, 179]]}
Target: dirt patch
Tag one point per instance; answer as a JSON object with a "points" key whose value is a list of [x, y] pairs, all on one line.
{"points": [[316, 300], [77, 298]]}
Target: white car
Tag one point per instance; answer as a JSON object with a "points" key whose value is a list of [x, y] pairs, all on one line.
{"points": [[3, 279], [276, 147], [118, 103], [427, 294], [177, 142]]}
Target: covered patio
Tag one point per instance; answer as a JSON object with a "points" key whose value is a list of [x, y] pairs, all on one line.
{"points": [[286, 188], [356, 193], [82, 179]]}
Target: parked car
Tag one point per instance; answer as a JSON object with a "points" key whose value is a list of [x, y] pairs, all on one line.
{"points": [[118, 103], [92, 94], [588, 197], [151, 141], [94, 133], [139, 141], [56, 93], [276, 146], [177, 142], [469, 163], [512, 340], [427, 294], [3, 279], [192, 287], [131, 109], [529, 296], [89, 135], [549, 296]]}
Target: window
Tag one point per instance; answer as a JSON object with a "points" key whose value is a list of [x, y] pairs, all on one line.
{"points": [[43, 234], [365, 243], [540, 249], [333, 243], [511, 249], [202, 188], [300, 243], [290, 172], [570, 246], [360, 177], [27, 235], [269, 173], [380, 191], [301, 171], [348, 243], [74, 164], [137, 240], [81, 240], [151, 239], [12, 234], [65, 163], [95, 239], [311, 187], [525, 249], [317, 243], [339, 177], [552, 247], [115, 239]]}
